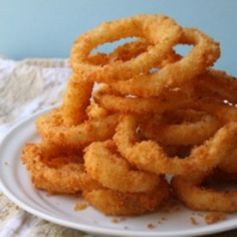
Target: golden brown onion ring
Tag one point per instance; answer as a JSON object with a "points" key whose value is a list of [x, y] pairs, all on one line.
{"points": [[204, 54], [195, 196], [104, 164], [191, 192], [76, 98], [157, 161], [127, 204], [184, 133], [198, 198], [161, 32], [68, 177], [51, 128], [114, 102]]}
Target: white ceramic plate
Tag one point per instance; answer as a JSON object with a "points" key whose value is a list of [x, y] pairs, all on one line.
{"points": [[16, 184]]}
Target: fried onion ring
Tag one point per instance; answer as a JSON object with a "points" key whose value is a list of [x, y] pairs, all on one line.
{"points": [[107, 167], [196, 197], [76, 99], [159, 31], [134, 116], [190, 190], [203, 55], [67, 178], [184, 133], [114, 102], [117, 203], [51, 128], [150, 156]]}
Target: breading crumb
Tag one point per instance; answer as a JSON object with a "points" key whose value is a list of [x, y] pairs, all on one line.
{"points": [[193, 220], [117, 219], [151, 226], [214, 217], [80, 206]]}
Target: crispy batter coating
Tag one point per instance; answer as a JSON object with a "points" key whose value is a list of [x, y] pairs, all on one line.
{"points": [[66, 176], [190, 190], [154, 113], [160, 31], [204, 54], [105, 165], [76, 99], [127, 204], [150, 156], [183, 133], [51, 128]]}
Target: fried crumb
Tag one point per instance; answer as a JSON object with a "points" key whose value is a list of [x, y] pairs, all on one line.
{"points": [[193, 220], [80, 206], [214, 217], [125, 227], [117, 220], [151, 226], [163, 218]]}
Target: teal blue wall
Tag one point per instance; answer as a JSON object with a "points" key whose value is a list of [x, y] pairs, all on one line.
{"points": [[47, 28]]}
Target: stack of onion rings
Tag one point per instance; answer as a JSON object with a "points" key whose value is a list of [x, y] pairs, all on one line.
{"points": [[154, 113]]}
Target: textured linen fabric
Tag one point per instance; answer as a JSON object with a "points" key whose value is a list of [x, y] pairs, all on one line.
{"points": [[27, 87]]}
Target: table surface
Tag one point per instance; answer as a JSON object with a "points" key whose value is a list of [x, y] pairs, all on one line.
{"points": [[47, 85]]}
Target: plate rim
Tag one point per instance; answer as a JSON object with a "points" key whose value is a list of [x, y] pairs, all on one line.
{"points": [[208, 229]]}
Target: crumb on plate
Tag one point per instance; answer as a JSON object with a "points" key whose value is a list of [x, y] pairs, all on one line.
{"points": [[214, 217], [150, 226], [80, 206], [193, 220]]}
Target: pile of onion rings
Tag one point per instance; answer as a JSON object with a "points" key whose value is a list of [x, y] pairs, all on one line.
{"points": [[137, 114]]}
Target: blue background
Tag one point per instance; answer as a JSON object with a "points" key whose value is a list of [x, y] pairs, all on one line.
{"points": [[47, 28]]}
